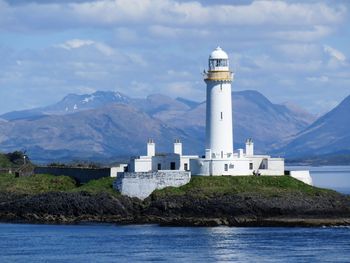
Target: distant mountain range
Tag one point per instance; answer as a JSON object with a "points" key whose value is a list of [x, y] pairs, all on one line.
{"points": [[106, 125], [330, 134]]}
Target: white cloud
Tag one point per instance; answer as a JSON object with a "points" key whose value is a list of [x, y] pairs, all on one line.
{"points": [[334, 53], [170, 12], [75, 43], [105, 49], [318, 79], [162, 46], [175, 32], [299, 51], [79, 43], [184, 89], [305, 35]]}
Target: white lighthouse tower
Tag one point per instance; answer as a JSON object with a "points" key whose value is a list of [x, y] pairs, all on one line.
{"points": [[220, 159], [219, 138]]}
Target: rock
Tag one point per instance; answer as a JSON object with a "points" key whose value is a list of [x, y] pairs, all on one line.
{"points": [[245, 209]]}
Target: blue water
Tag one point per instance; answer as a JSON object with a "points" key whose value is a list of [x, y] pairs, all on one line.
{"points": [[111, 243]]}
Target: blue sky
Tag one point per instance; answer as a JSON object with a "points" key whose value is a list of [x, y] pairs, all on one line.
{"points": [[295, 51]]}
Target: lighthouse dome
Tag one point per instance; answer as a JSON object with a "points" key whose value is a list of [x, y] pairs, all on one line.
{"points": [[218, 60], [218, 53]]}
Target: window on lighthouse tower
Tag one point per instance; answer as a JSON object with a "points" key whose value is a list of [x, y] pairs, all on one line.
{"points": [[217, 63]]}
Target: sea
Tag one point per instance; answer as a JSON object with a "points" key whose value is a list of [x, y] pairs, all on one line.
{"points": [[152, 243]]}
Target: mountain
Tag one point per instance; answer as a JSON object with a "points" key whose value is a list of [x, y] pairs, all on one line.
{"points": [[73, 103], [329, 134], [109, 124], [190, 103], [300, 113], [70, 104], [253, 117], [113, 130]]}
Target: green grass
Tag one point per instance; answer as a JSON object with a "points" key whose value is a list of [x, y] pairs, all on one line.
{"points": [[39, 183], [201, 186], [4, 161], [43, 183], [104, 185]]}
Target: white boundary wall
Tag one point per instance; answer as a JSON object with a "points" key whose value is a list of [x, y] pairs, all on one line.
{"points": [[142, 184], [303, 176]]}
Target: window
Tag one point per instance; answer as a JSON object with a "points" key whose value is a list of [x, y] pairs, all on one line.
{"points": [[159, 166], [221, 115], [214, 63], [226, 167], [186, 166], [232, 166], [172, 166], [251, 166], [211, 64]]}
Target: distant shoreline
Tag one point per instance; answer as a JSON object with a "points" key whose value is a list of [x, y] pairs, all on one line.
{"points": [[211, 222]]}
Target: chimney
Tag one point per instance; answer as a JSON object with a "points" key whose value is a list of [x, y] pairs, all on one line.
{"points": [[249, 147], [178, 147], [151, 148], [208, 154], [240, 153]]}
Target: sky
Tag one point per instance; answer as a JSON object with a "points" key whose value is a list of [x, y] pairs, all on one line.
{"points": [[290, 51]]}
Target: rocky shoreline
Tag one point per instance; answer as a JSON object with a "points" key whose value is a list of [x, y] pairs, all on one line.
{"points": [[244, 209]]}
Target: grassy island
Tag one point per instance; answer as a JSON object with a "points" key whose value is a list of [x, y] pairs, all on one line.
{"points": [[205, 201], [198, 186]]}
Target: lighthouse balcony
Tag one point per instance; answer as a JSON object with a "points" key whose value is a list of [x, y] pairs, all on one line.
{"points": [[218, 75]]}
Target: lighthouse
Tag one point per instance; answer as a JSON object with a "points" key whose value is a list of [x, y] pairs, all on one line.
{"points": [[219, 135], [220, 158], [156, 171]]}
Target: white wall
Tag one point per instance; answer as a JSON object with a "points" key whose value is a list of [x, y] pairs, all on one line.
{"points": [[142, 164], [237, 166], [219, 137], [185, 159], [141, 185], [303, 176], [117, 169], [276, 164]]}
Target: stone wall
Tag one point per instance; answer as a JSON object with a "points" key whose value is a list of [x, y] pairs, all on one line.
{"points": [[81, 175], [142, 184]]}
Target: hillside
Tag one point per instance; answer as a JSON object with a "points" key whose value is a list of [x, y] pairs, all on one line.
{"points": [[106, 125], [328, 135], [206, 201], [14, 159], [117, 129]]}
